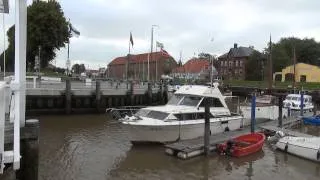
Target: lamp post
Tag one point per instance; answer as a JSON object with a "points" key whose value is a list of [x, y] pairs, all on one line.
{"points": [[151, 49]]}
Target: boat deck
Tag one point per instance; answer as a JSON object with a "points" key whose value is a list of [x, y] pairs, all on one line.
{"points": [[186, 149]]}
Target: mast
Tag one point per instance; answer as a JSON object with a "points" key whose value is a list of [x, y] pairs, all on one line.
{"points": [[270, 64], [294, 68]]}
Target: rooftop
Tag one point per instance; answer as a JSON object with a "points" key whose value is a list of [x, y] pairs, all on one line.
{"points": [[139, 58]]}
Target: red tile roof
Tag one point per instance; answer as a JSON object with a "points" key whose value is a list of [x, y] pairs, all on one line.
{"points": [[138, 58], [194, 65]]}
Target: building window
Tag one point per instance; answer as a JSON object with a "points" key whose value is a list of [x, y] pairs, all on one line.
{"points": [[241, 63], [240, 72]]}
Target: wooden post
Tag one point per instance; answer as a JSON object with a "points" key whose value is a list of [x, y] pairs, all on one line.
{"points": [[301, 104], [131, 94], [206, 128], [68, 96], [280, 112], [161, 93], [315, 108], [165, 93], [149, 93], [253, 112], [98, 95], [29, 151]]}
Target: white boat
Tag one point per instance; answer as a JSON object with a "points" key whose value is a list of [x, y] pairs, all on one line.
{"points": [[182, 117], [293, 103], [308, 148], [266, 108]]}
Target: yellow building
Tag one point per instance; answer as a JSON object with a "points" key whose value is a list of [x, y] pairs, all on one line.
{"points": [[303, 73]]}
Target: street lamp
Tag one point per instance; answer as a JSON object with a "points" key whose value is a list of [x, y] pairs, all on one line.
{"points": [[152, 27]]}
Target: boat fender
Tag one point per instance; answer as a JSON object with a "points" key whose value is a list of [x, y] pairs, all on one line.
{"points": [[286, 147], [318, 154], [226, 129]]}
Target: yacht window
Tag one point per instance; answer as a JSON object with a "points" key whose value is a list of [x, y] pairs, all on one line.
{"points": [[191, 116], [157, 115], [213, 102], [288, 98], [175, 99], [142, 112], [190, 101]]}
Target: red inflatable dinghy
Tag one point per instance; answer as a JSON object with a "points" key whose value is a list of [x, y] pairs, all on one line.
{"points": [[242, 145]]}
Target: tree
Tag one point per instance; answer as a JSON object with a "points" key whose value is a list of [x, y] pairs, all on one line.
{"points": [[307, 51], [205, 56], [76, 68], [254, 66], [82, 68], [47, 28]]}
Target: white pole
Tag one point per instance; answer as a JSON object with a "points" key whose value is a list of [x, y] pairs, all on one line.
{"points": [[20, 59], [4, 46]]}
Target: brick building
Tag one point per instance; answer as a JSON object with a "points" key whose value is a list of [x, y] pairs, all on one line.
{"points": [[232, 63], [195, 68], [138, 66]]}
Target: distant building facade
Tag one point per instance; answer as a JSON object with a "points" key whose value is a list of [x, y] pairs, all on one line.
{"points": [[303, 73], [232, 63], [195, 68], [159, 63]]}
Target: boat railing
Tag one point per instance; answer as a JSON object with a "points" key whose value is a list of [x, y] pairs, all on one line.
{"points": [[121, 112]]}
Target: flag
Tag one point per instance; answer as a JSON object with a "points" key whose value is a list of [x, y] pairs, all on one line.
{"points": [[160, 45], [131, 39], [164, 52], [73, 31]]}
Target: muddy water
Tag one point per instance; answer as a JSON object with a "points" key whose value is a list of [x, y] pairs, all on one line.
{"points": [[83, 147]]}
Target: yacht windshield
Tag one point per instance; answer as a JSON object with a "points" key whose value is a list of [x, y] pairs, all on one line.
{"points": [[190, 101], [288, 98], [175, 99], [152, 114]]}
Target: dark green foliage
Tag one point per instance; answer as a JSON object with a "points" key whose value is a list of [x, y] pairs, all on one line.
{"points": [[47, 27], [78, 68], [307, 51], [255, 66]]}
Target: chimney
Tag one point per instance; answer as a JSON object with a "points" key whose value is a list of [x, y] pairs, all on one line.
{"points": [[235, 45]]}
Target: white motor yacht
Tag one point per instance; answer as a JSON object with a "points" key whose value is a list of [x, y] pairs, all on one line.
{"points": [[293, 103], [182, 117]]}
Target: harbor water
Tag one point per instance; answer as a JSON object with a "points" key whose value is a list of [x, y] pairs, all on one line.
{"points": [[95, 147]]}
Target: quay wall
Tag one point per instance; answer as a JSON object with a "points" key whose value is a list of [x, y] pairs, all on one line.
{"points": [[74, 97]]}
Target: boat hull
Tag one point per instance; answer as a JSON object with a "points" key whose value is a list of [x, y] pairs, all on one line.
{"points": [[243, 145], [308, 148], [175, 132], [262, 112], [313, 120]]}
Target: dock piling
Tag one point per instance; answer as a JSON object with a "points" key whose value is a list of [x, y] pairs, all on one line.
{"points": [[301, 104], [253, 112], [68, 96], [280, 111], [98, 95], [206, 127]]}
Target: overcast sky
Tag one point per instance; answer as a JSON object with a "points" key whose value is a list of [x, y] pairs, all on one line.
{"points": [[190, 26]]}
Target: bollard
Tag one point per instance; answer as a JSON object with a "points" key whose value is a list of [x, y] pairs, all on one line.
{"points": [[68, 96], [149, 93], [301, 104], [253, 112], [280, 112], [206, 127], [98, 95]]}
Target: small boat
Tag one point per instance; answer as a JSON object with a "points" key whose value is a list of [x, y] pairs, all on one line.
{"points": [[293, 102], [242, 145], [266, 108], [308, 148], [312, 120]]}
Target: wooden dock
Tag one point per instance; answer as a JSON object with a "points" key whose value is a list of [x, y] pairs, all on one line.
{"points": [[186, 149]]}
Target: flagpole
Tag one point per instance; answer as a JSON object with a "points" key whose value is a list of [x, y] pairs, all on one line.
{"points": [[127, 68], [4, 47]]}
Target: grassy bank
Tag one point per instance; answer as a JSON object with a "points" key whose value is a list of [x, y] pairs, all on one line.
{"points": [[277, 84]]}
